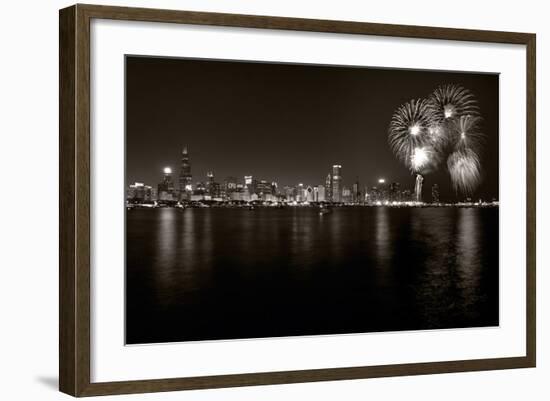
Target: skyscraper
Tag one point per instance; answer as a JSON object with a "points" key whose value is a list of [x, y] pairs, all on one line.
{"points": [[308, 194], [185, 178], [346, 194], [435, 193], [290, 193], [375, 195], [328, 186], [250, 183], [263, 189], [355, 192], [383, 190], [209, 182], [230, 185], [139, 192], [166, 191], [300, 193], [336, 183], [321, 193], [274, 188]]}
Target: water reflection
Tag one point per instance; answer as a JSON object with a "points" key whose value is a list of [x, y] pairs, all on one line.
{"points": [[166, 256], [205, 235], [188, 238], [435, 258], [468, 257], [165, 244], [336, 227], [383, 249], [235, 273]]}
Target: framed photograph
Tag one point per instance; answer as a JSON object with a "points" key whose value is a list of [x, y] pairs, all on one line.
{"points": [[250, 200]]}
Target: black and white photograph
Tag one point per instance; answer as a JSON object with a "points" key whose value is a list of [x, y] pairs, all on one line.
{"points": [[274, 199]]}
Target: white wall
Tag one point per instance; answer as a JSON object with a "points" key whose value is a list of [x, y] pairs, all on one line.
{"points": [[28, 200]]}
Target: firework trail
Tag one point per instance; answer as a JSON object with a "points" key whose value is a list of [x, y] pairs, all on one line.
{"points": [[410, 137], [464, 168], [418, 188], [465, 133]]}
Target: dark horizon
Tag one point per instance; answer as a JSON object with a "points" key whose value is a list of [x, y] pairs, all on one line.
{"points": [[287, 123]]}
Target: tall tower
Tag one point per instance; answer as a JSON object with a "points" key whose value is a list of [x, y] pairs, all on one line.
{"points": [[337, 183], [185, 178], [209, 182], [355, 192]]}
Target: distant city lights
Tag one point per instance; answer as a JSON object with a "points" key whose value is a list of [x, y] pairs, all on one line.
{"points": [[252, 191]]}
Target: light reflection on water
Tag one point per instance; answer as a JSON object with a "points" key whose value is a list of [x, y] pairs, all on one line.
{"points": [[188, 238], [383, 245], [469, 255], [236, 273], [166, 257]]}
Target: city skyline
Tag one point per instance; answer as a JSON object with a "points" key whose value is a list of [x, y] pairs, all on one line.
{"points": [[187, 179], [334, 189], [285, 127]]}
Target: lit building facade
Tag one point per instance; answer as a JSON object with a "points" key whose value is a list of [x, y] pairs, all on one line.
{"points": [[274, 188], [355, 193], [383, 190], [336, 179], [308, 194], [346, 194], [165, 189], [250, 183], [185, 177], [289, 193], [374, 196], [213, 189], [230, 185], [328, 186], [263, 189], [435, 193], [300, 193], [140, 193], [320, 194]]}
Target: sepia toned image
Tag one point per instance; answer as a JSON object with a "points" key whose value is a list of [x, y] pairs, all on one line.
{"points": [[273, 200]]}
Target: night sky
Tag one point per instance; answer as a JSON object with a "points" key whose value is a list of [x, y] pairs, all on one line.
{"points": [[287, 123]]}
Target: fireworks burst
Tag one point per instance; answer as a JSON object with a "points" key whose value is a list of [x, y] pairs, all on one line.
{"points": [[422, 132], [450, 102], [409, 134], [465, 133], [422, 159], [464, 168]]}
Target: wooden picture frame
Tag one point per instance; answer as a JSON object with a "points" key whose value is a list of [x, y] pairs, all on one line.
{"points": [[74, 206]]}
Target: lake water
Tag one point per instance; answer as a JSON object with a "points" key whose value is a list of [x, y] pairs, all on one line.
{"points": [[223, 273]]}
